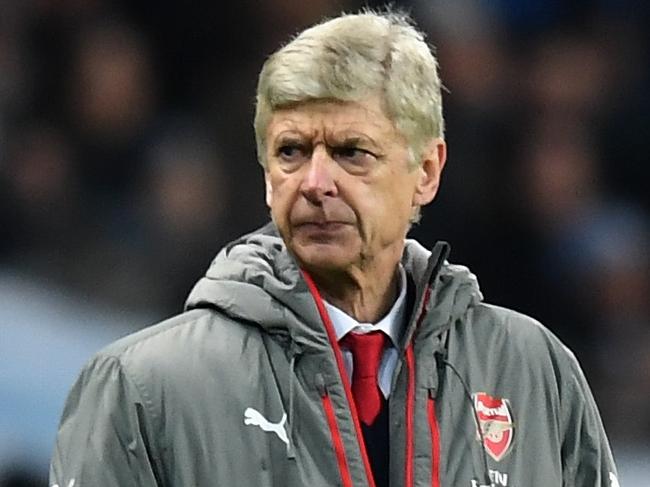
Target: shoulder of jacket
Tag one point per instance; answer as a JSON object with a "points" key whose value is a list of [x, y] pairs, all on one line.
{"points": [[167, 346], [171, 362], [517, 330]]}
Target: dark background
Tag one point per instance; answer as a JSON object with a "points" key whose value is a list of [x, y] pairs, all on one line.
{"points": [[127, 159]]}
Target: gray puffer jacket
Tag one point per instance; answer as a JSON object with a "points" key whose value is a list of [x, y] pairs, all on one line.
{"points": [[247, 388]]}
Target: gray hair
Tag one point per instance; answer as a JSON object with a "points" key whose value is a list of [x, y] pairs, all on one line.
{"points": [[348, 58]]}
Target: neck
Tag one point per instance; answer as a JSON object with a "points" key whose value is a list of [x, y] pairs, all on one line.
{"points": [[366, 295]]}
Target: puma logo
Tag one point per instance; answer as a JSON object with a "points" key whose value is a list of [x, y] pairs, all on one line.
{"points": [[252, 417]]}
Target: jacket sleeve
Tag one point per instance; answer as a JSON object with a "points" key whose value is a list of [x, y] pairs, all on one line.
{"points": [[103, 434], [586, 455]]}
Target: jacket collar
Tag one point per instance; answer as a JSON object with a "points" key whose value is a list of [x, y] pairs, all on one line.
{"points": [[255, 279]]}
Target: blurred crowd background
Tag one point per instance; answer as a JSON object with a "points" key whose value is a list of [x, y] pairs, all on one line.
{"points": [[127, 159]]}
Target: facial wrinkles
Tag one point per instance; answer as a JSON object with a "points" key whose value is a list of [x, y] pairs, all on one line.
{"points": [[330, 139], [314, 132], [325, 125], [325, 119]]}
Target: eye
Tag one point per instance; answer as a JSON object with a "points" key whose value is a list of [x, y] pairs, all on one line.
{"points": [[291, 155], [350, 152], [289, 151], [353, 158]]}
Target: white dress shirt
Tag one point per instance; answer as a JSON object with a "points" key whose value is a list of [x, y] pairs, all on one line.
{"points": [[392, 325]]}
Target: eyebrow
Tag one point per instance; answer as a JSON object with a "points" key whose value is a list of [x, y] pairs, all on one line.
{"points": [[353, 139], [343, 138], [289, 138]]}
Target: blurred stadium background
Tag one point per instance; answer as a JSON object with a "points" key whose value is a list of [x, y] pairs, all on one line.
{"points": [[127, 160]]}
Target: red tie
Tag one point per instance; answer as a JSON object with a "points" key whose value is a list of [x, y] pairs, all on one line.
{"points": [[367, 350]]}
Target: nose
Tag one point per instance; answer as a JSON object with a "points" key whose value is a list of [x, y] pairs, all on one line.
{"points": [[318, 182]]}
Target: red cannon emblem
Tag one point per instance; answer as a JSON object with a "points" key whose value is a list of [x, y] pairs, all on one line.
{"points": [[496, 423]]}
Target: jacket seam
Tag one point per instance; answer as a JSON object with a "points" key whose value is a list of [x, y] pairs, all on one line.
{"points": [[145, 398]]}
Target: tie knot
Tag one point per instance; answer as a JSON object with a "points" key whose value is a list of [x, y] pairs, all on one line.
{"points": [[367, 350]]}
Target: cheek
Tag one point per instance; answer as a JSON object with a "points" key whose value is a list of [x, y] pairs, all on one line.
{"points": [[395, 189], [280, 198], [392, 206]]}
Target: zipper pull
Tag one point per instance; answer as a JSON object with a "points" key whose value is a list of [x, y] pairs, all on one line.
{"points": [[294, 352]]}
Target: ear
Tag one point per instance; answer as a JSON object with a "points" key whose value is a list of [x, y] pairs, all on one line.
{"points": [[269, 188], [433, 162]]}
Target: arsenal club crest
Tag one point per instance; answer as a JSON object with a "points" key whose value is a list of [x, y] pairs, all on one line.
{"points": [[496, 423]]}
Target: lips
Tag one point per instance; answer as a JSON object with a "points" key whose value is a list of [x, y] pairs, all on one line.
{"points": [[321, 227], [320, 231], [321, 220], [320, 224]]}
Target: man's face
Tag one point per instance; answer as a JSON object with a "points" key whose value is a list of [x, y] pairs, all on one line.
{"points": [[339, 185]]}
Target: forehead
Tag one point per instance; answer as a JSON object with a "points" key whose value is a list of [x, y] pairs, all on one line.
{"points": [[366, 116]]}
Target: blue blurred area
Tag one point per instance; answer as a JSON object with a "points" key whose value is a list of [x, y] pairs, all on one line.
{"points": [[47, 335], [127, 160]]}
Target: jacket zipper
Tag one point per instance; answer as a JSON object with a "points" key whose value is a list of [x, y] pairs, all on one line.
{"points": [[410, 392], [433, 425], [435, 440], [331, 335], [410, 403], [440, 251], [337, 441]]}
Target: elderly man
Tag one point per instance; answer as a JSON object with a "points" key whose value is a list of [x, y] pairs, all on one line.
{"points": [[327, 349]]}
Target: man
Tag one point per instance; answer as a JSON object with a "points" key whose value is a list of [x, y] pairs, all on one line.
{"points": [[326, 349]]}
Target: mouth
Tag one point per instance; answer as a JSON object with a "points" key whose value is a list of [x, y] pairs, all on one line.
{"points": [[320, 224], [321, 228]]}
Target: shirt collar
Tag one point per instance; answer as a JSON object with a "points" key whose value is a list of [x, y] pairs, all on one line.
{"points": [[392, 324]]}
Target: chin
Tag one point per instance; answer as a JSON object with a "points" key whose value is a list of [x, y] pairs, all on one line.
{"points": [[323, 257]]}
